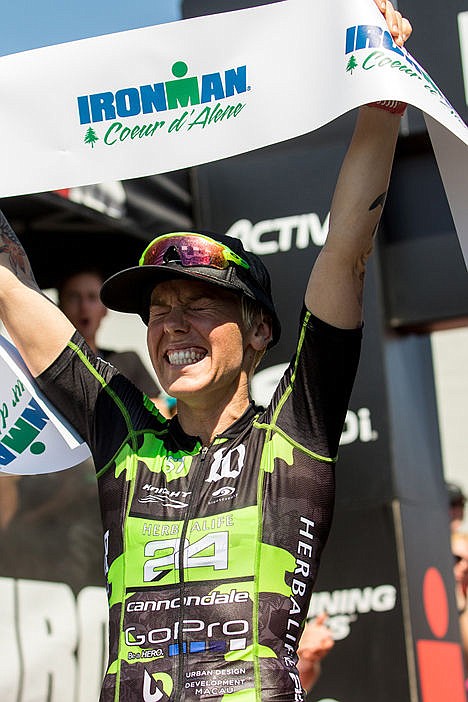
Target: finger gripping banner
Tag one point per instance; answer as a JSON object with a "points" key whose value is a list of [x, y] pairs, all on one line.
{"points": [[34, 439]]}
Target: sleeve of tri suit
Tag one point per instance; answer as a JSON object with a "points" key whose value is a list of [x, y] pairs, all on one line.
{"points": [[311, 401], [99, 402], [133, 368]]}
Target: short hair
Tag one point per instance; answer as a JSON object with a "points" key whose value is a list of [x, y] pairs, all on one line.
{"points": [[455, 495], [251, 310], [79, 270]]}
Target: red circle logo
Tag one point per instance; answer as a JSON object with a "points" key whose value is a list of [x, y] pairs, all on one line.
{"points": [[435, 602]]}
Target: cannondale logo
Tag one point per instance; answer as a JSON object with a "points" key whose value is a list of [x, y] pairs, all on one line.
{"points": [[224, 491], [148, 695], [157, 686]]}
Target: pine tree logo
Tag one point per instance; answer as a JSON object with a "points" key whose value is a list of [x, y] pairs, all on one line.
{"points": [[91, 137], [352, 64]]}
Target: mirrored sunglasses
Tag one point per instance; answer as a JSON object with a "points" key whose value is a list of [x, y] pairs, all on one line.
{"points": [[191, 250]]}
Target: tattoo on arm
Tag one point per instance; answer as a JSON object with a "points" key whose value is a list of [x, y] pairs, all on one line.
{"points": [[13, 256], [379, 201]]}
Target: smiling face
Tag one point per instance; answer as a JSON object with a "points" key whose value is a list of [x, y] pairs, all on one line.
{"points": [[198, 343]]}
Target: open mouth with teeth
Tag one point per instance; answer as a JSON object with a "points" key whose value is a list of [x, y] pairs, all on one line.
{"points": [[184, 357]]}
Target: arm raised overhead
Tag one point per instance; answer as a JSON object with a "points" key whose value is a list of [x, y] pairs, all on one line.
{"points": [[335, 289], [37, 327]]}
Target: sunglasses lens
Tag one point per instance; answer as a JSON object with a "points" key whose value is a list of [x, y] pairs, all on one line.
{"points": [[190, 251]]}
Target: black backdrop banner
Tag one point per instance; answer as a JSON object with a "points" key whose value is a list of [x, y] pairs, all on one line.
{"points": [[389, 474], [385, 571]]}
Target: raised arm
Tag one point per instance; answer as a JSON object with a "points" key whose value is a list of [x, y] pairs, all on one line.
{"points": [[37, 327], [335, 288]]}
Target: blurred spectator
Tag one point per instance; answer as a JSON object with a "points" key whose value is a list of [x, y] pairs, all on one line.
{"points": [[79, 300], [456, 500], [33, 509], [316, 641], [459, 541]]}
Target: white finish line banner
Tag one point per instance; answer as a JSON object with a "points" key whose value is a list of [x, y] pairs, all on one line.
{"points": [[162, 98], [33, 438]]}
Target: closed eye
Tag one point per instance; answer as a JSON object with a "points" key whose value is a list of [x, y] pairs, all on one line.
{"points": [[158, 311], [201, 304]]}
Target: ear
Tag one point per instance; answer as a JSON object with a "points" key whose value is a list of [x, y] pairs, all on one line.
{"points": [[261, 334]]}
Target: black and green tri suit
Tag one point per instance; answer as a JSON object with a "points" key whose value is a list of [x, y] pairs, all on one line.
{"points": [[211, 551]]}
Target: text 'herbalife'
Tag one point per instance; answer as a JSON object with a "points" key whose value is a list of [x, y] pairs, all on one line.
{"points": [[181, 91]]}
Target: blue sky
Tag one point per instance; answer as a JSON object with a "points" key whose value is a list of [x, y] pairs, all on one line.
{"points": [[29, 24]]}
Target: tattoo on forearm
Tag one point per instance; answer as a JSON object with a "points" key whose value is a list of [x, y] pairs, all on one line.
{"points": [[13, 256], [379, 201]]}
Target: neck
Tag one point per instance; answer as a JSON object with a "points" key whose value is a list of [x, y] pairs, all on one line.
{"points": [[209, 421]]}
